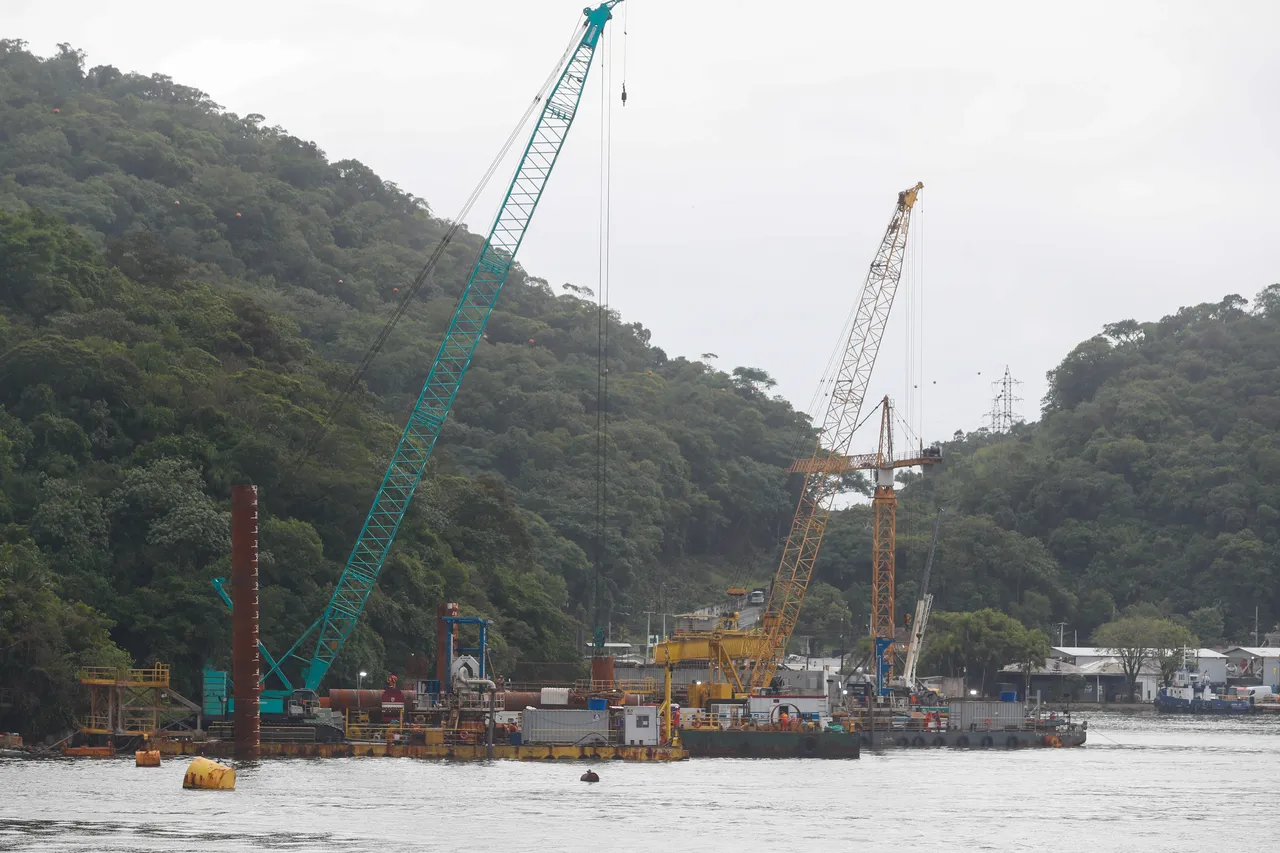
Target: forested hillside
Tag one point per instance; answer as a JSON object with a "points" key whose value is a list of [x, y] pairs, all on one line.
{"points": [[1152, 482], [184, 292]]}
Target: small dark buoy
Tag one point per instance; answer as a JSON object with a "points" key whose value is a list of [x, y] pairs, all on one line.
{"points": [[589, 776]]}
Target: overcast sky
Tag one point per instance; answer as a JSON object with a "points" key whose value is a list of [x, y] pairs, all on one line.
{"points": [[1083, 163]]}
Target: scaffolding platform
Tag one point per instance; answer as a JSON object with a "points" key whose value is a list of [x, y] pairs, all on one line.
{"points": [[128, 702]]}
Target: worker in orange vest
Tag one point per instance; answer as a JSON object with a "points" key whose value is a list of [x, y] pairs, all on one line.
{"points": [[784, 720]]}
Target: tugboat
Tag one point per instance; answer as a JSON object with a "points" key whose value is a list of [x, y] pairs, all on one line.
{"points": [[1189, 693]]}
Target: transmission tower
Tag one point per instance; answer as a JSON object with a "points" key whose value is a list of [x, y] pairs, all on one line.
{"points": [[1002, 416]]}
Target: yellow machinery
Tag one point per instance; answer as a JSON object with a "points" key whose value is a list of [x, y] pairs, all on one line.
{"points": [[746, 661], [723, 648]]}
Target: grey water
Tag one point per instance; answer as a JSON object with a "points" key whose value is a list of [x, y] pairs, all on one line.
{"points": [[1142, 783]]}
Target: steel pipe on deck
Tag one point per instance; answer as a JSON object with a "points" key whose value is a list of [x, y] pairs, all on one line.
{"points": [[346, 699]]}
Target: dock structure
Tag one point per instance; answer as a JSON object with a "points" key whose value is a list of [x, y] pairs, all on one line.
{"points": [[124, 702], [129, 702]]}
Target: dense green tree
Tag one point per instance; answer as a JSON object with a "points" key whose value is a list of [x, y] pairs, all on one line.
{"points": [[976, 645], [1138, 639], [1205, 624], [184, 294], [825, 617], [1151, 477], [44, 642]]}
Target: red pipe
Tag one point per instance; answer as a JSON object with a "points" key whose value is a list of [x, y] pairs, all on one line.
{"points": [[246, 666], [346, 699], [602, 670]]}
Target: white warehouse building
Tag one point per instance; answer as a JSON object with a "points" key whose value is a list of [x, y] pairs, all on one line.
{"points": [[1213, 664]]}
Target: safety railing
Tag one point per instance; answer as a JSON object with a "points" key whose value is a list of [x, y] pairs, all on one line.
{"points": [[898, 722], [96, 724], [536, 687], [469, 733], [153, 676], [626, 685], [267, 734], [139, 721], [288, 734], [480, 701], [100, 673], [743, 722]]}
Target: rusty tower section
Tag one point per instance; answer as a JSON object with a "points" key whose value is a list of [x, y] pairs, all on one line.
{"points": [[246, 665]]}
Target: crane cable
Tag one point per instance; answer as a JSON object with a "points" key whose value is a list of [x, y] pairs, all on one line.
{"points": [[626, 11], [913, 387], [604, 234], [455, 225]]}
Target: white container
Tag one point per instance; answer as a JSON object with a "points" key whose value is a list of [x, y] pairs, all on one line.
{"points": [[766, 709], [641, 726]]}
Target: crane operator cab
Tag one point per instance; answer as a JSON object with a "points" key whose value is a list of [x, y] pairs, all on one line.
{"points": [[303, 703]]}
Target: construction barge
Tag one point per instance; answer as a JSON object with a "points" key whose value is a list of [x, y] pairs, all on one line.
{"points": [[749, 743], [791, 732], [430, 752]]}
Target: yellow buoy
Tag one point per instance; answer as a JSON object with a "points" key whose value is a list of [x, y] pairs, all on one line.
{"points": [[209, 775], [147, 758]]}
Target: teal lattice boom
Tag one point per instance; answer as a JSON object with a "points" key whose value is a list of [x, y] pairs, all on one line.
{"points": [[456, 351]]}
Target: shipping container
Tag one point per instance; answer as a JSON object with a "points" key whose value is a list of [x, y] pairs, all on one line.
{"points": [[982, 715], [567, 726]]}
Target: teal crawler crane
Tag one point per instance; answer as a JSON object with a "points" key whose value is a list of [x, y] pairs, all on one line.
{"points": [[327, 635]]}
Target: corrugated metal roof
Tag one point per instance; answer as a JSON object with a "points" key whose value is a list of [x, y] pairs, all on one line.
{"points": [[1098, 652], [1080, 651], [1112, 666], [1051, 667], [1257, 651]]}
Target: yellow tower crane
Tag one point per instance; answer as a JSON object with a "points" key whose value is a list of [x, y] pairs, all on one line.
{"points": [[823, 472], [884, 508]]}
